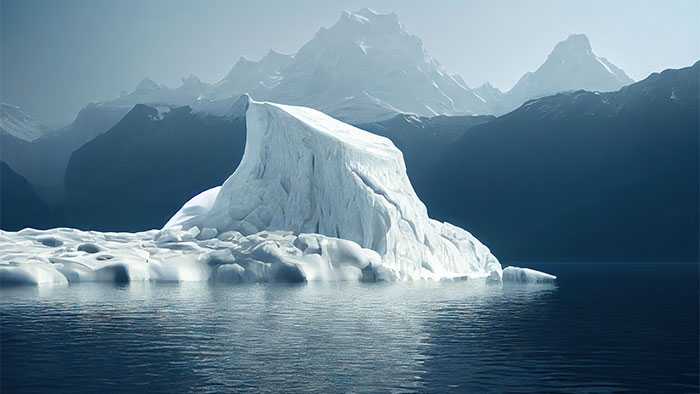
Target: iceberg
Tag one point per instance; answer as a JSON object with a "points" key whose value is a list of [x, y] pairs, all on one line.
{"points": [[313, 199], [306, 172]]}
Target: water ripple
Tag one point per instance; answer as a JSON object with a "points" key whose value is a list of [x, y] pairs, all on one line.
{"points": [[602, 333]]}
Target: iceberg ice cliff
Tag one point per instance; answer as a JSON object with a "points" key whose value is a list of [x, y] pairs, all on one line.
{"points": [[312, 199]]}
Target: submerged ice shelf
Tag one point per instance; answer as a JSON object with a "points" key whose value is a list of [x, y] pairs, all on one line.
{"points": [[312, 199]]}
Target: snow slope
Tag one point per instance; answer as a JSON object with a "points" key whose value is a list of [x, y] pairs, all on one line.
{"points": [[19, 124], [370, 57], [149, 92], [313, 199]]}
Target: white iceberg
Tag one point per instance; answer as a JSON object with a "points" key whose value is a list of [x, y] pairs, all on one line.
{"points": [[313, 199], [305, 172]]}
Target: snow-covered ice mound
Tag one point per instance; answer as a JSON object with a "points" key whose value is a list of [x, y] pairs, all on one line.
{"points": [[62, 256], [305, 172], [313, 199]]}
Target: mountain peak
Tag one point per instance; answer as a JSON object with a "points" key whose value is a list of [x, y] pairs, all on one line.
{"points": [[191, 80], [368, 18], [272, 54], [366, 12], [147, 84], [487, 86], [579, 40], [194, 86], [575, 44], [243, 60], [275, 59], [330, 72], [572, 65]]}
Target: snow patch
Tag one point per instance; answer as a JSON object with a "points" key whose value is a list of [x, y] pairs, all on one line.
{"points": [[19, 124]]}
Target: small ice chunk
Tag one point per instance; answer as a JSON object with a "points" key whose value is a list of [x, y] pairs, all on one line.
{"points": [[526, 275]]}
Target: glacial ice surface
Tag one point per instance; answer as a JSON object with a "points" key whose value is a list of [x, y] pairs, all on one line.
{"points": [[526, 275], [312, 199], [61, 256]]}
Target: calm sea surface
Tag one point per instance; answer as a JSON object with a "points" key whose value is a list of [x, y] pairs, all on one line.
{"points": [[602, 328]]}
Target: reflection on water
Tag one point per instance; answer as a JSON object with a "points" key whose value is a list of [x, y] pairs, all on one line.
{"points": [[604, 335]]}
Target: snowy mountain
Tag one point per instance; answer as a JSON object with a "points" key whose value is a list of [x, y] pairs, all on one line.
{"points": [[42, 156], [364, 68], [572, 65], [367, 68], [248, 76], [149, 92], [19, 124], [489, 93], [369, 58]]}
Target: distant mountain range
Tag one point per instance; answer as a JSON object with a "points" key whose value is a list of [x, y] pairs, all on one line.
{"points": [[581, 175], [141, 171], [576, 175], [365, 68], [20, 205], [42, 160]]}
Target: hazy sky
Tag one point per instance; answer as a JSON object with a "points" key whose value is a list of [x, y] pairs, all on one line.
{"points": [[59, 55]]}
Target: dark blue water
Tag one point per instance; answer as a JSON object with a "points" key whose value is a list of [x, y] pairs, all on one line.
{"points": [[603, 328]]}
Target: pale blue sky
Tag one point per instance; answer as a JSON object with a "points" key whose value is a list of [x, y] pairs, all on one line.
{"points": [[59, 55]]}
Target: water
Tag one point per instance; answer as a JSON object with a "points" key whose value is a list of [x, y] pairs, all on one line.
{"points": [[602, 328]]}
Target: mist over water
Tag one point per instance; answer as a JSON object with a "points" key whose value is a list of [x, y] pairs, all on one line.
{"points": [[602, 328]]}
